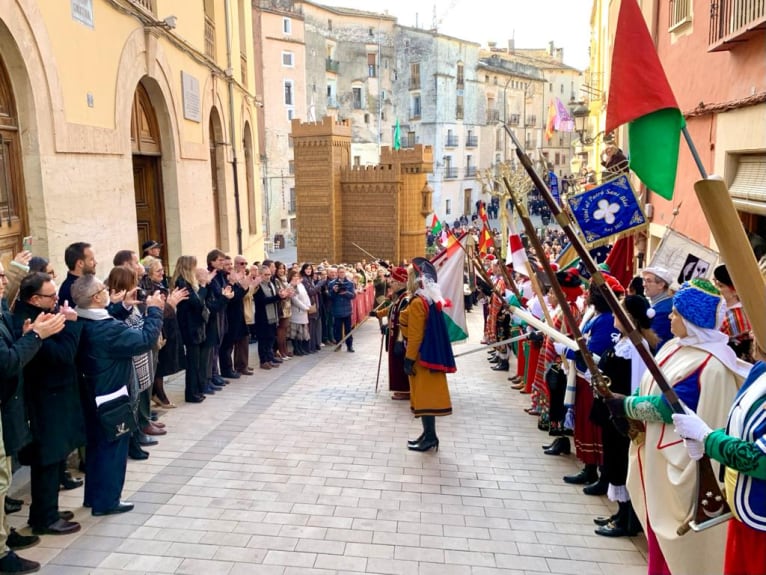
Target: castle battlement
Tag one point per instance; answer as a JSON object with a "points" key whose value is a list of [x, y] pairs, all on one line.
{"points": [[327, 126]]}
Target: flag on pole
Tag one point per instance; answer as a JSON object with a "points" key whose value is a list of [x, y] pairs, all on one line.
{"points": [[436, 226], [485, 240], [550, 125], [483, 213], [516, 254], [564, 120], [450, 265], [397, 136], [639, 94]]}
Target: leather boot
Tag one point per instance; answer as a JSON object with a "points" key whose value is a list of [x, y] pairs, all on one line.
{"points": [[559, 447], [422, 435], [587, 475], [430, 441], [297, 349], [599, 487]]}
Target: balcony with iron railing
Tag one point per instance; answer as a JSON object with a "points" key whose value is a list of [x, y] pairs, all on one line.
{"points": [[470, 171], [332, 102], [209, 38], [331, 65], [451, 141], [513, 119], [471, 141], [146, 5], [735, 21], [493, 116], [450, 173], [414, 83]]}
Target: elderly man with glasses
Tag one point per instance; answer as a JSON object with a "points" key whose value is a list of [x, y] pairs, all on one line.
{"points": [[107, 348], [657, 282]]}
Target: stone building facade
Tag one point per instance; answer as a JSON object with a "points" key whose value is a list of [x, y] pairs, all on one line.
{"points": [[379, 208], [121, 124]]}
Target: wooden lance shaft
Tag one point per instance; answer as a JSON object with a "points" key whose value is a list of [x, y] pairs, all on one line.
{"points": [[600, 381], [707, 482], [731, 240]]}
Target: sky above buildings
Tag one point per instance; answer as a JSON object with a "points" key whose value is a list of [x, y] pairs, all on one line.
{"points": [[532, 23]]}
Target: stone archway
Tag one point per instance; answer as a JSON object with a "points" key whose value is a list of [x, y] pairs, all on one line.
{"points": [[13, 211], [146, 146]]}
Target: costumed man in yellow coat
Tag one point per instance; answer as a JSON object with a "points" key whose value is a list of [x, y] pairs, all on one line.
{"points": [[428, 357], [662, 479]]}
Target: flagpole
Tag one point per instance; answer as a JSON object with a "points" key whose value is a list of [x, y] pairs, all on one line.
{"points": [[693, 150]]}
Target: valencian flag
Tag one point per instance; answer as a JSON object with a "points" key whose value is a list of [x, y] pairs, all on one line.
{"points": [[449, 265], [607, 210], [639, 93]]}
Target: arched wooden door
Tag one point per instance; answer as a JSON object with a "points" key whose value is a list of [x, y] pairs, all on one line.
{"points": [[217, 165], [147, 171], [13, 213]]}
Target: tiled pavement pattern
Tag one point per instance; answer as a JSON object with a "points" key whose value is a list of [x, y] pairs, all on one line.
{"points": [[304, 469]]}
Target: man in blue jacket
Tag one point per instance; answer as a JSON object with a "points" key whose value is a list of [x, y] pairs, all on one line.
{"points": [[105, 359], [341, 293]]}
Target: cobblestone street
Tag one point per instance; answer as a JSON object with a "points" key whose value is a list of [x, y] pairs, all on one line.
{"points": [[304, 469]]}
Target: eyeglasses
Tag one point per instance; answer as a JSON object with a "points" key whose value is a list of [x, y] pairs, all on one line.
{"points": [[99, 292], [241, 263], [52, 296]]}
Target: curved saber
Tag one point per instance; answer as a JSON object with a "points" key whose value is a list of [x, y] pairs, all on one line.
{"points": [[554, 334]]}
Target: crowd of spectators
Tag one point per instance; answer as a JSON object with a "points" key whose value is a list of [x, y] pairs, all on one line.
{"points": [[83, 363]]}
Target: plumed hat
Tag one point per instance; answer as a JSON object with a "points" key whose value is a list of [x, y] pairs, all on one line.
{"points": [[699, 303], [399, 274], [638, 308], [424, 268], [722, 275], [569, 278]]}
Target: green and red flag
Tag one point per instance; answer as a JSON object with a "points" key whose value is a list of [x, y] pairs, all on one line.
{"points": [[436, 226], [640, 94]]}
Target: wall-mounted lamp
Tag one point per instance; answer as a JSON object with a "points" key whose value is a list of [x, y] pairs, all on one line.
{"points": [[169, 23], [580, 113]]}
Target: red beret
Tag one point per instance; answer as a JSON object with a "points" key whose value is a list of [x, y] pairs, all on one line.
{"points": [[399, 274], [612, 282]]}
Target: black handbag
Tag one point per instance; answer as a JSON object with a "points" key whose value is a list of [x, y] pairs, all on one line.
{"points": [[116, 417]]}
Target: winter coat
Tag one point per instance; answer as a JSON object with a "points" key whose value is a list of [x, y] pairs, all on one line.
{"points": [[191, 314], [300, 305], [341, 299], [52, 393]]}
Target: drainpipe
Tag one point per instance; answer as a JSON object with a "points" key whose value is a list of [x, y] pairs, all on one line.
{"points": [[232, 129]]}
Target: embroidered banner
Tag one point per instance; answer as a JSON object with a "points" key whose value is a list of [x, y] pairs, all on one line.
{"points": [[607, 210]]}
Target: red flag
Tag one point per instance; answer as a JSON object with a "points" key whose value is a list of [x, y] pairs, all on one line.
{"points": [[638, 84], [620, 260]]}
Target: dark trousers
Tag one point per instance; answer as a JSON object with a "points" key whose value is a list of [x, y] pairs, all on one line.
{"points": [[242, 354], [343, 324], [224, 355], [144, 407], [105, 464], [327, 325], [315, 333], [267, 336], [44, 483], [208, 355], [196, 372]]}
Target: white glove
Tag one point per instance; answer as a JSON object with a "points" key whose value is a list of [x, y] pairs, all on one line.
{"points": [[695, 449], [691, 426]]}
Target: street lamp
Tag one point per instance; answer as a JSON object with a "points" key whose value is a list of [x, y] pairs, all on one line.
{"points": [[580, 113]]}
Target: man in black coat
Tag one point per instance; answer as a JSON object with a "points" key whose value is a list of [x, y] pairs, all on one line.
{"points": [[79, 260], [52, 398], [218, 297], [105, 360], [15, 353], [236, 328]]}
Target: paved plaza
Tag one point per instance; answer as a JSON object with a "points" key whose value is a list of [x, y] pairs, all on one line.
{"points": [[304, 469]]}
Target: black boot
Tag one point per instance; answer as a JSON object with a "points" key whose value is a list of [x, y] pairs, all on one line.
{"points": [[502, 365], [411, 442], [430, 440], [297, 348], [559, 447], [599, 487], [587, 475]]}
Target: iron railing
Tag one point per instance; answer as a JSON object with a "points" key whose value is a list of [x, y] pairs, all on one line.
{"points": [[331, 65], [735, 19], [679, 12], [451, 141], [471, 141]]}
